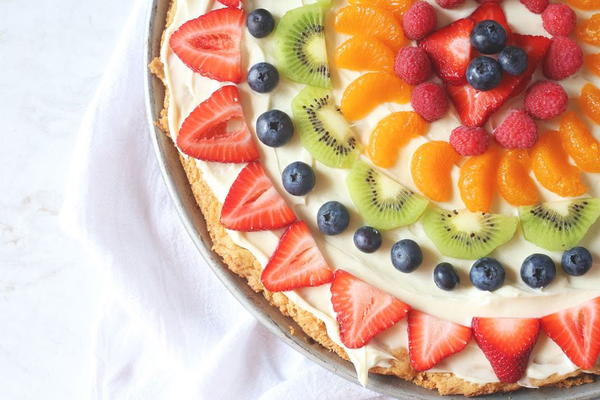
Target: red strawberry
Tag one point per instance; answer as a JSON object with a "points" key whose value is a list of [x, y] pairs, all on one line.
{"points": [[474, 107], [450, 50], [493, 11], [253, 203], [230, 3], [577, 331], [431, 339], [210, 44], [216, 130], [297, 262], [362, 310], [506, 343]]}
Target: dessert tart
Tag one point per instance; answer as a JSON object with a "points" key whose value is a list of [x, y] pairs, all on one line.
{"points": [[415, 183]]}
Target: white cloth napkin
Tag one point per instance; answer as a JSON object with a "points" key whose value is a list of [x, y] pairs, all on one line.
{"points": [[167, 328]]}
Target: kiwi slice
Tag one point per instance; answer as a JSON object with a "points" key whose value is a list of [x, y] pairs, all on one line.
{"points": [[301, 50], [322, 128], [465, 234], [559, 225], [381, 201]]}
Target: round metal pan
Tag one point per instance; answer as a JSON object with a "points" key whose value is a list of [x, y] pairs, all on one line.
{"points": [[269, 316]]}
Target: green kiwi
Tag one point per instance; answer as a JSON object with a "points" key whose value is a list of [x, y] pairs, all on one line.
{"points": [[381, 201], [322, 128], [465, 234], [559, 225], [301, 50]]}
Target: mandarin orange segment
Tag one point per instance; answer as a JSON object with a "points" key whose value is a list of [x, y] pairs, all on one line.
{"points": [[391, 134], [370, 90], [585, 4], [398, 7], [550, 165], [477, 180], [431, 167], [514, 183], [589, 101], [592, 63], [364, 53], [370, 21], [579, 142], [588, 31]]}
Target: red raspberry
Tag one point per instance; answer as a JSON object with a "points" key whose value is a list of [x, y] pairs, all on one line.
{"points": [[563, 59], [449, 3], [429, 101], [413, 65], [536, 6], [559, 19], [469, 141], [419, 20], [517, 131], [545, 100], [489, 1]]}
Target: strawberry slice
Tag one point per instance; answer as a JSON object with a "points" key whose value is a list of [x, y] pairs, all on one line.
{"points": [[431, 339], [449, 49], [491, 10], [216, 130], [362, 310], [474, 107], [297, 262], [506, 343], [230, 3], [577, 331], [253, 203], [210, 44]]}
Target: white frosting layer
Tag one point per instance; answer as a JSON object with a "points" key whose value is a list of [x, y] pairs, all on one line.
{"points": [[514, 299]]}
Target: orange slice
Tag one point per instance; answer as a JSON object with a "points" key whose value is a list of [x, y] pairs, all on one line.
{"points": [[477, 180], [579, 143], [431, 166], [585, 4], [398, 7], [370, 21], [364, 53], [590, 102], [588, 31], [514, 183], [592, 62]]}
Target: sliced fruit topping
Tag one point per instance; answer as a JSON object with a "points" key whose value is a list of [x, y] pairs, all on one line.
{"points": [[579, 142], [477, 181], [431, 166], [333, 218], [370, 21], [362, 310], [364, 53], [253, 203], [467, 235], [514, 183], [491, 10], [431, 339], [551, 167], [297, 262], [230, 3], [381, 201], [450, 50], [577, 331], [391, 134], [588, 31], [592, 62], [507, 344], [398, 7], [487, 274], [210, 44], [370, 90], [584, 4], [322, 128], [590, 102], [406, 255], [216, 130], [559, 225], [301, 51]]}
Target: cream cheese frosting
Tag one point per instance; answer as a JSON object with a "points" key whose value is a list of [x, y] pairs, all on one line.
{"points": [[188, 89]]}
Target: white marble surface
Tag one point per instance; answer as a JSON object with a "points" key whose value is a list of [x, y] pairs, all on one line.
{"points": [[52, 54]]}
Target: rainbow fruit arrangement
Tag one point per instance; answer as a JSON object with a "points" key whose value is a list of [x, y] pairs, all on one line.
{"points": [[475, 64]]}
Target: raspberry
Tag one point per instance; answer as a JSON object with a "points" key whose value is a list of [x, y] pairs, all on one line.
{"points": [[559, 19], [449, 3], [489, 1], [413, 65], [545, 100], [563, 59], [517, 131], [429, 101], [536, 6], [419, 20], [469, 141]]}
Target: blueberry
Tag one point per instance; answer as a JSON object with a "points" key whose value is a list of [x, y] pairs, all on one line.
{"points": [[263, 77], [538, 270], [274, 128], [406, 255], [489, 37], [445, 277], [367, 239], [487, 274], [576, 261], [298, 178], [484, 73], [260, 23], [513, 60], [332, 218]]}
